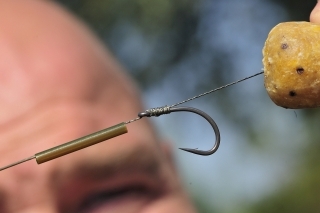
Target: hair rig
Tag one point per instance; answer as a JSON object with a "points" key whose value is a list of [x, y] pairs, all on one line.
{"points": [[119, 129]]}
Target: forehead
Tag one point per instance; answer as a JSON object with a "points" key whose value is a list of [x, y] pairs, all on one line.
{"points": [[55, 124]]}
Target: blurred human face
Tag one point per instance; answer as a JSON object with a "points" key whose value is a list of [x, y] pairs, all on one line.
{"points": [[129, 173], [59, 84]]}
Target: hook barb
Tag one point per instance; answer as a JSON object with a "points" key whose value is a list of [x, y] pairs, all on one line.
{"points": [[166, 110]]}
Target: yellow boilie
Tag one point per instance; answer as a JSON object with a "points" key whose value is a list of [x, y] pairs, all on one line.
{"points": [[291, 59]]}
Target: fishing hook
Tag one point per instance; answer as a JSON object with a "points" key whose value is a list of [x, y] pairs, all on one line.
{"points": [[167, 109]]}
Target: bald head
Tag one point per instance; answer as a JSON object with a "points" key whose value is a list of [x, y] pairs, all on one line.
{"points": [[48, 57], [58, 83], [54, 71]]}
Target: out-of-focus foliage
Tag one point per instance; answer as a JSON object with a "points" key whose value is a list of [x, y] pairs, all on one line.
{"points": [[150, 16], [302, 193], [163, 31], [170, 39], [298, 10]]}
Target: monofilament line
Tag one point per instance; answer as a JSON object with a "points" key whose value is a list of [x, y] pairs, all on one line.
{"points": [[198, 96], [214, 90], [16, 163]]}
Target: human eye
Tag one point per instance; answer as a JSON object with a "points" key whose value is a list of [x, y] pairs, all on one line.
{"points": [[125, 198]]}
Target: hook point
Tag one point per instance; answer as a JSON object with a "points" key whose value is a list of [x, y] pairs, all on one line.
{"points": [[198, 152]]}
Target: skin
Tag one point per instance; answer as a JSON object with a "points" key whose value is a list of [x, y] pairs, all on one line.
{"points": [[58, 83], [315, 14]]}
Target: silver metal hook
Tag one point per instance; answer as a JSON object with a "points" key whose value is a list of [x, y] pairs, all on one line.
{"points": [[166, 110]]}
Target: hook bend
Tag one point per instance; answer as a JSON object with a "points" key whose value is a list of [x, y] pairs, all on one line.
{"points": [[166, 110]]}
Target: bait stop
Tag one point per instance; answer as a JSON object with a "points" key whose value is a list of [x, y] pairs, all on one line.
{"points": [[121, 128]]}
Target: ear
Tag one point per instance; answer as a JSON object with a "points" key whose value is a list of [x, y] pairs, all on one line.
{"points": [[315, 14]]}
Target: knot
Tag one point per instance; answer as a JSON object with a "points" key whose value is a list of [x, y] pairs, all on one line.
{"points": [[157, 111]]}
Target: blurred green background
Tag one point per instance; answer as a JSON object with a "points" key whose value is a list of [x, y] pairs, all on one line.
{"points": [[269, 159]]}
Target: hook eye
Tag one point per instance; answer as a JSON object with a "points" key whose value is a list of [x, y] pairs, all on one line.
{"points": [[166, 110]]}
